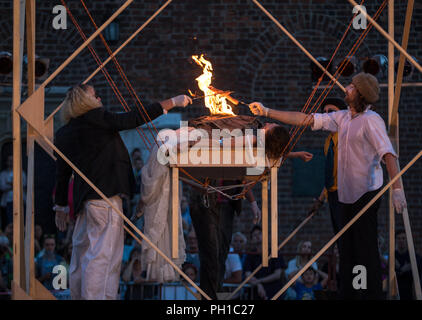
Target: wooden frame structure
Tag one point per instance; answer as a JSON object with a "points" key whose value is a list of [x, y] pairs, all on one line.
{"points": [[24, 284]]}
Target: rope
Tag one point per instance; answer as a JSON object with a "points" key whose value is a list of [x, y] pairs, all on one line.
{"points": [[319, 101], [105, 72]]}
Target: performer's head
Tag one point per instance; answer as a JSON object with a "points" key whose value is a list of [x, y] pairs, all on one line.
{"points": [[276, 139], [363, 90], [79, 100]]}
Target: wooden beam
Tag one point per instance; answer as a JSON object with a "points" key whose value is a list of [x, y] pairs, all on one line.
{"points": [[391, 220], [29, 224], [125, 219], [405, 40], [386, 35], [175, 211], [274, 213], [86, 43], [347, 226], [18, 35], [265, 223], [117, 51]]}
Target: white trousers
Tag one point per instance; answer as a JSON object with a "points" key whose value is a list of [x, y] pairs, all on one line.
{"points": [[97, 251]]}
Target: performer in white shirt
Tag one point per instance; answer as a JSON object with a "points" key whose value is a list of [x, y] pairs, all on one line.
{"points": [[362, 144]]}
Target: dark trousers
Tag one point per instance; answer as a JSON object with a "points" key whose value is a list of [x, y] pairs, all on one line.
{"points": [[335, 210], [213, 227], [359, 246]]}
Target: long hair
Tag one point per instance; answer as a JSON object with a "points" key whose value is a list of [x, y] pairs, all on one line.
{"points": [[78, 102], [300, 258]]}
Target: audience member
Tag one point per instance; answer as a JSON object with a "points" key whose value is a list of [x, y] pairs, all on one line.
{"points": [[403, 267], [46, 261], [192, 255], [134, 276], [306, 286], [190, 270], [267, 281], [239, 245], [6, 187], [233, 271], [304, 250], [6, 268], [331, 268]]}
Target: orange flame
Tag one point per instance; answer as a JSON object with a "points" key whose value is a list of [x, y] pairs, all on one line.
{"points": [[215, 102]]}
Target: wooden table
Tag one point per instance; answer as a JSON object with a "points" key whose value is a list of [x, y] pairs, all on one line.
{"points": [[234, 164]]}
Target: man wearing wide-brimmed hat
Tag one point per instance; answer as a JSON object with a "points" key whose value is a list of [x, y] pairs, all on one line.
{"points": [[362, 144]]}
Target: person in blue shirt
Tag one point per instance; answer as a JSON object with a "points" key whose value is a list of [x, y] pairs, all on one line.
{"points": [[46, 261], [309, 283]]}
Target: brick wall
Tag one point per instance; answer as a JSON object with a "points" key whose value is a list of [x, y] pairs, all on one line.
{"points": [[251, 56]]}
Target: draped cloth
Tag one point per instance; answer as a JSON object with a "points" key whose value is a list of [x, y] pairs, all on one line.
{"points": [[156, 195]]}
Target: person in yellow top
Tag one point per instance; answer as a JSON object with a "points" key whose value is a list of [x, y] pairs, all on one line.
{"points": [[330, 152]]}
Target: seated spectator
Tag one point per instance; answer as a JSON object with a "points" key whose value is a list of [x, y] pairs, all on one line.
{"points": [[8, 232], [304, 249], [239, 244], [233, 270], [403, 267], [306, 286], [46, 261], [6, 268], [331, 268], [186, 219], [134, 276], [37, 238], [190, 270], [192, 255], [266, 281]]}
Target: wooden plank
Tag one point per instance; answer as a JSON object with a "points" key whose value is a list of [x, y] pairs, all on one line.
{"points": [[274, 213], [265, 223], [41, 293], [18, 34], [175, 212], [391, 220], [393, 115], [29, 225], [18, 293]]}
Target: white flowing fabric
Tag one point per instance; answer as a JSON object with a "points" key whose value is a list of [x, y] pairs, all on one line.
{"points": [[155, 195]]}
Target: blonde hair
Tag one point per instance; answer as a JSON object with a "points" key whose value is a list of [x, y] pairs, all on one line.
{"points": [[78, 102], [300, 258]]}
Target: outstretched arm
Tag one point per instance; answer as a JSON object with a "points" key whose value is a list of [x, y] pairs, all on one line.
{"points": [[288, 117]]}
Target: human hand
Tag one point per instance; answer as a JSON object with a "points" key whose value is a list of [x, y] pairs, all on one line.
{"points": [[256, 213], [399, 200], [305, 156], [258, 109], [62, 218], [181, 101]]}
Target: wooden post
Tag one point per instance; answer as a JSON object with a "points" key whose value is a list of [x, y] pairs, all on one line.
{"points": [[265, 223], [274, 213], [18, 34], [29, 224], [391, 251], [175, 211]]}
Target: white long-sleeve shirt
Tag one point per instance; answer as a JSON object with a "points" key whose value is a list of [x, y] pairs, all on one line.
{"points": [[362, 143]]}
